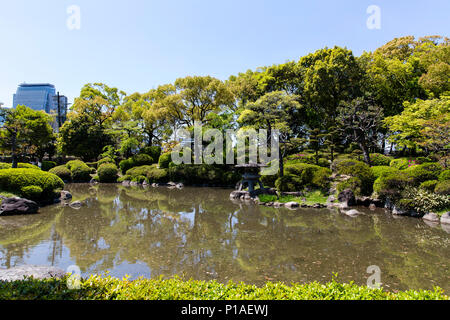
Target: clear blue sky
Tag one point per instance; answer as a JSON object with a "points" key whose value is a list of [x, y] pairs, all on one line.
{"points": [[138, 45]]}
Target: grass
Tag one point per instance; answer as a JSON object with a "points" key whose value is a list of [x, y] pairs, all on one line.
{"points": [[311, 198], [108, 288]]}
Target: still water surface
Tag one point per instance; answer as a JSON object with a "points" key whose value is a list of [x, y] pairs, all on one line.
{"points": [[199, 233]]}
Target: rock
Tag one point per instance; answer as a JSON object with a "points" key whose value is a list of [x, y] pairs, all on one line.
{"points": [[237, 194], [372, 206], [399, 212], [445, 227], [343, 205], [433, 217], [445, 218], [277, 205], [180, 185], [347, 196], [76, 205], [352, 213], [93, 181], [65, 195], [15, 205], [38, 272], [292, 205], [331, 199], [126, 183]]}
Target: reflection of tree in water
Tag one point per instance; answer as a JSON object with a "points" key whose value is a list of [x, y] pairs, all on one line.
{"points": [[199, 233]]}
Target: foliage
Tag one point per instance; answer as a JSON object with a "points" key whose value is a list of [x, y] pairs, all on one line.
{"points": [[424, 201], [204, 173], [424, 172], [443, 188], [400, 164], [360, 170], [153, 151], [164, 160], [377, 159], [81, 172], [14, 180], [390, 186], [378, 171], [445, 175], [109, 288], [288, 182], [152, 174], [31, 192], [105, 160], [63, 172], [308, 175], [135, 161], [47, 165], [354, 184], [107, 173], [429, 185]]}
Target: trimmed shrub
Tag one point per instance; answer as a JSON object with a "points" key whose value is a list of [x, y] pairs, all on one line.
{"points": [[92, 165], [135, 161], [124, 178], [353, 184], [429, 185], [126, 165], [358, 169], [321, 178], [307, 158], [13, 180], [443, 188], [400, 164], [269, 180], [21, 165], [62, 172], [152, 173], [378, 171], [424, 172], [445, 175], [31, 193], [139, 179], [391, 185], [107, 173], [81, 172], [4, 165], [153, 151], [378, 159], [288, 183], [47, 165], [105, 160], [164, 160]]}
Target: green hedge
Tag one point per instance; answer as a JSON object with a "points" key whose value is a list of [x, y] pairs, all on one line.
{"points": [[62, 172], [429, 185], [400, 164], [424, 172], [135, 161], [15, 180], [391, 185], [81, 172], [152, 174], [153, 151], [378, 159], [378, 171], [360, 170], [107, 173], [105, 160], [204, 174], [20, 165], [164, 160], [445, 175], [47, 165], [32, 193], [108, 288], [443, 188]]}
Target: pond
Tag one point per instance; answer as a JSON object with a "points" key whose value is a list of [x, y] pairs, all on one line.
{"points": [[199, 233]]}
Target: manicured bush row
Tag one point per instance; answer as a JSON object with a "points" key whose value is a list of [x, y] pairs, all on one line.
{"points": [[108, 288], [135, 161], [107, 173]]}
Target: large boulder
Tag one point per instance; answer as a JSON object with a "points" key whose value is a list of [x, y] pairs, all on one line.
{"points": [[348, 197], [433, 217], [13, 206], [445, 218], [37, 272]]}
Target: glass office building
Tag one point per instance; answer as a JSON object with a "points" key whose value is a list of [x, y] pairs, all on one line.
{"points": [[37, 96]]}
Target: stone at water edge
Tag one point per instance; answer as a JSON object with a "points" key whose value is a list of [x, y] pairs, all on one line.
{"points": [[15, 205], [65, 195], [352, 213], [347, 196], [433, 217], [292, 204], [372, 206], [445, 218], [331, 199], [38, 272], [76, 205]]}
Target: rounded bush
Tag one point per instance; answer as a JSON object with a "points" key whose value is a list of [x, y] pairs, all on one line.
{"points": [[13, 180], [21, 165], [443, 188], [31, 193], [107, 173], [378, 159], [424, 172], [429, 185], [288, 183], [358, 169], [400, 164], [105, 160], [47, 165], [126, 165], [378, 171], [154, 152], [353, 184], [4, 165], [164, 160], [445, 175], [152, 173], [391, 185], [62, 172], [139, 179], [81, 172], [269, 180]]}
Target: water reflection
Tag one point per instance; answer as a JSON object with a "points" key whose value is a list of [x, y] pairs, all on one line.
{"points": [[200, 233]]}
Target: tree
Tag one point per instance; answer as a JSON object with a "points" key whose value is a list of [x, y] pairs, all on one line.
{"points": [[27, 130], [423, 123], [272, 112], [359, 122]]}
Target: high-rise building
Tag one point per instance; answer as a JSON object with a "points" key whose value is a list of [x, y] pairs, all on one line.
{"points": [[42, 96]]}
